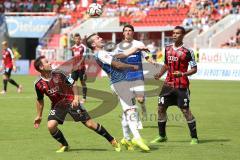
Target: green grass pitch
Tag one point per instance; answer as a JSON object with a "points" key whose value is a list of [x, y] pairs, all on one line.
{"points": [[215, 105]]}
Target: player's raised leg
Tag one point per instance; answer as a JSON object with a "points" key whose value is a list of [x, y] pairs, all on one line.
{"points": [[133, 122], [99, 129], [127, 98], [58, 135]]}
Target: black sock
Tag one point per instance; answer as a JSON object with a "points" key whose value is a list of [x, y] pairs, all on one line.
{"points": [[103, 132], [84, 91], [162, 128], [13, 82], [5, 84], [59, 137], [192, 128]]}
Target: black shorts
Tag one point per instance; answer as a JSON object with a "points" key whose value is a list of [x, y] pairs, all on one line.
{"points": [[8, 71], [174, 96], [154, 56], [78, 114], [79, 74]]}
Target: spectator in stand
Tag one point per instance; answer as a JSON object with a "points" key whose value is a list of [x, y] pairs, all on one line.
{"points": [[7, 5], [238, 37], [235, 6], [42, 5], [188, 21], [49, 6], [84, 3], [59, 2], [21, 6], [16, 52], [29, 6], [204, 14], [72, 6], [65, 18], [224, 10], [1, 8], [138, 15], [56, 7], [36, 7], [66, 6], [64, 45], [13, 6], [232, 42]]}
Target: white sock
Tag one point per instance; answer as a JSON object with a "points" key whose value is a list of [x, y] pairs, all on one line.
{"points": [[133, 121], [125, 128]]}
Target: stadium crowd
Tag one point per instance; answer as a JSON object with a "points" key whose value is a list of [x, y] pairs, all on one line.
{"points": [[233, 42], [203, 14], [141, 7]]}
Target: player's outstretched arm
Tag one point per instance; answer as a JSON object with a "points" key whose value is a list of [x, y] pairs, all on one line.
{"points": [[122, 66], [131, 51], [39, 107], [162, 71], [71, 65]]}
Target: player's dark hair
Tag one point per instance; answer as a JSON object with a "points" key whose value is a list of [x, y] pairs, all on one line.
{"points": [[89, 40], [77, 35], [128, 26], [38, 63], [181, 28]]}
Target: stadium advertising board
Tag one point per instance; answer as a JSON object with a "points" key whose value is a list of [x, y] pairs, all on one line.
{"points": [[28, 26], [207, 71], [22, 67], [223, 56]]}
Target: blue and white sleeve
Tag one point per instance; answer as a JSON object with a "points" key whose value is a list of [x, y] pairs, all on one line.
{"points": [[105, 57]]}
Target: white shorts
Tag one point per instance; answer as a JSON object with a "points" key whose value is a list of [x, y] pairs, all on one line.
{"points": [[137, 87], [125, 95]]}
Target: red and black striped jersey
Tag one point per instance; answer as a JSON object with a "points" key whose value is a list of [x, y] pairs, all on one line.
{"points": [[7, 56], [58, 88], [79, 50], [178, 59]]}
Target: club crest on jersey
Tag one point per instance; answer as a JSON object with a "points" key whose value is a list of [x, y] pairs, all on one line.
{"points": [[180, 53]]}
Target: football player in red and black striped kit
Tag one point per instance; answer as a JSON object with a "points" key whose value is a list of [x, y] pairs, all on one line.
{"points": [[63, 94], [175, 90], [78, 49], [8, 64]]}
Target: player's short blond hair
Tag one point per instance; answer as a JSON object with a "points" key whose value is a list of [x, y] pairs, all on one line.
{"points": [[4, 43]]}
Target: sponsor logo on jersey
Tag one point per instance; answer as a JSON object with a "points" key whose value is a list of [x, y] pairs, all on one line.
{"points": [[172, 58], [53, 90]]}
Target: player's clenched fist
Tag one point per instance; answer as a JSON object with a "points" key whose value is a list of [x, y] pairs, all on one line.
{"points": [[37, 121], [177, 74]]}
